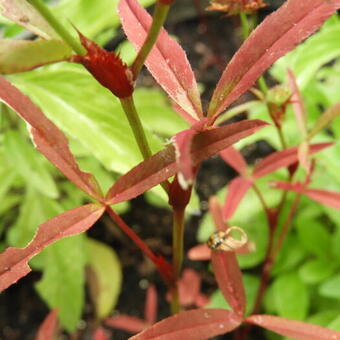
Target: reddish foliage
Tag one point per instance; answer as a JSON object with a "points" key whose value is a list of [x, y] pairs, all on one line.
{"points": [[100, 334], [293, 329], [14, 261], [235, 159], [48, 328]]}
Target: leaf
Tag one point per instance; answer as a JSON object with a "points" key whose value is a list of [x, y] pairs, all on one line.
{"points": [[316, 270], [162, 165], [294, 329], [237, 189], [196, 324], [331, 288], [49, 140], [229, 279], [62, 283], [189, 287], [36, 52], [167, 61], [104, 276], [235, 159], [48, 328], [24, 14], [13, 262], [100, 334], [291, 296], [325, 119], [28, 164], [127, 323], [283, 158], [150, 310], [201, 252], [276, 35]]}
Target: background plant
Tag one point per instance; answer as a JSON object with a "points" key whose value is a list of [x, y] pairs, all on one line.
{"points": [[159, 167]]}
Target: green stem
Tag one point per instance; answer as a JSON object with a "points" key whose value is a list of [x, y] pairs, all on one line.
{"points": [[244, 25], [159, 16], [45, 11], [262, 85], [136, 126]]}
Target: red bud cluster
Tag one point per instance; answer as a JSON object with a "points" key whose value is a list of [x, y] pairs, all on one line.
{"points": [[109, 70]]}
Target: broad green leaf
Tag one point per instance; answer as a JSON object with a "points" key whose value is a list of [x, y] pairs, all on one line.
{"points": [[29, 164], [91, 17], [331, 288], [335, 324], [315, 271], [291, 296], [62, 285], [105, 277], [83, 109], [34, 210], [323, 318], [36, 53], [307, 58], [314, 237]]}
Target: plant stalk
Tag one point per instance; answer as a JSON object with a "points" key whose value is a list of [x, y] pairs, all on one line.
{"points": [[159, 17], [45, 11]]}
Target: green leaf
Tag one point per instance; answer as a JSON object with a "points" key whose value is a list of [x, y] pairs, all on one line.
{"points": [[85, 14], [65, 93], [34, 210], [36, 52], [335, 324], [105, 277], [308, 57], [315, 271], [62, 285], [323, 318], [29, 164], [314, 237], [331, 288], [291, 296]]}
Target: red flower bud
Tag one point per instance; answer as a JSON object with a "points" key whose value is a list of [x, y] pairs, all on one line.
{"points": [[109, 70]]}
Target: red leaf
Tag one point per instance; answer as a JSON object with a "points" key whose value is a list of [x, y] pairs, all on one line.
{"points": [[48, 328], [127, 323], [162, 165], [150, 311], [14, 261], [183, 143], [167, 61], [293, 329], [189, 287], [216, 213], [196, 324], [279, 33], [282, 159], [100, 334], [48, 139], [326, 197], [296, 187], [200, 252], [229, 279], [235, 159], [237, 189]]}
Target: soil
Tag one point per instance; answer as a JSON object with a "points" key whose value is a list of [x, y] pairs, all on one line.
{"points": [[209, 40]]}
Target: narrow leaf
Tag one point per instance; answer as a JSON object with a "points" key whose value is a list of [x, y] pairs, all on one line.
{"points": [[24, 14], [326, 197], [298, 106], [162, 165], [48, 328], [14, 261], [101, 334], [237, 189], [235, 159], [36, 52], [196, 324], [127, 323], [279, 33], [229, 279], [216, 213], [150, 310], [325, 119], [282, 159], [49, 140], [201, 252], [167, 61], [293, 329], [297, 187]]}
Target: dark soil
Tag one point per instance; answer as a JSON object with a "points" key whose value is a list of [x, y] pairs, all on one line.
{"points": [[210, 40]]}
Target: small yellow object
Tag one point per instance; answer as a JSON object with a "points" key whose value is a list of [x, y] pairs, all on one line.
{"points": [[223, 241]]}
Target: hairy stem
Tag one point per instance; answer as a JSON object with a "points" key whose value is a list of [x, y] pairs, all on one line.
{"points": [[45, 11], [159, 17]]}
